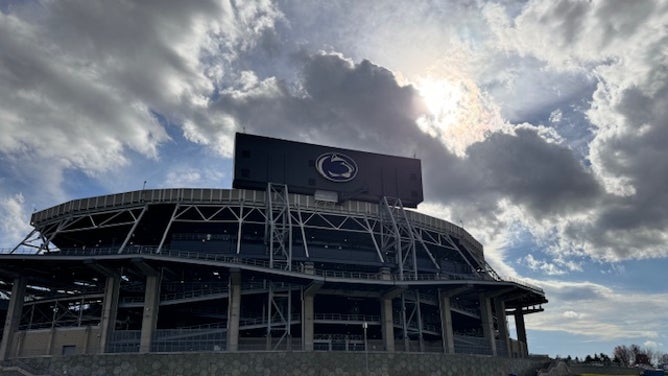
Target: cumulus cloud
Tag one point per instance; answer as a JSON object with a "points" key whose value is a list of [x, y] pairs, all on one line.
{"points": [[572, 315], [601, 312], [191, 177], [544, 119], [558, 267], [11, 213], [620, 45], [85, 83], [119, 82]]}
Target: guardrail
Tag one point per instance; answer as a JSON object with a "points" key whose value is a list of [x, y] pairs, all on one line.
{"points": [[232, 196], [524, 283], [347, 317], [297, 267]]}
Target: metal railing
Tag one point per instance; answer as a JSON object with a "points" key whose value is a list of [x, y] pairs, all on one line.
{"points": [[472, 345], [234, 196], [297, 267], [347, 317]]}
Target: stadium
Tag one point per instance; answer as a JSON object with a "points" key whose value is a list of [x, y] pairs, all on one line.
{"points": [[315, 249]]}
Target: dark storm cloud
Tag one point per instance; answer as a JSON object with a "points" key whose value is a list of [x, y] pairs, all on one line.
{"points": [[121, 81], [544, 177], [636, 223], [621, 46], [339, 103], [362, 106]]}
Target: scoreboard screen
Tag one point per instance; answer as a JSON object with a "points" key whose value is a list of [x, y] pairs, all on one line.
{"points": [[333, 174]]}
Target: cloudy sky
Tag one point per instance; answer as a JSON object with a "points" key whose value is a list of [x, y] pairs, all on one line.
{"points": [[542, 125]]}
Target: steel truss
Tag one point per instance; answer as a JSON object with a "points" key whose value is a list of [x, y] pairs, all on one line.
{"points": [[35, 240], [81, 222], [391, 234], [64, 311], [411, 319], [278, 227], [400, 239], [279, 317], [213, 213]]}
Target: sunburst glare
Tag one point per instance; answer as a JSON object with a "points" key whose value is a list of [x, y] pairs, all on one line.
{"points": [[458, 114]]}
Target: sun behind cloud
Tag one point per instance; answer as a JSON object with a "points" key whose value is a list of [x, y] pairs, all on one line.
{"points": [[441, 97], [459, 114]]}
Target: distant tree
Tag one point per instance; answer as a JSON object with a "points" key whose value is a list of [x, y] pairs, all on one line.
{"points": [[605, 359], [635, 355], [651, 356], [635, 351], [588, 359], [642, 359], [663, 359], [624, 355]]}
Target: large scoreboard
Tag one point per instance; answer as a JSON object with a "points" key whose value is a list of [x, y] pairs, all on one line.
{"points": [[329, 173]]}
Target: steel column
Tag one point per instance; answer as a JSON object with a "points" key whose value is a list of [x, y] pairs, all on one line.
{"points": [[14, 311]]}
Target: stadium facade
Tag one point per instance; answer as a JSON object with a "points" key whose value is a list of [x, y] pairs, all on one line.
{"points": [[312, 250]]}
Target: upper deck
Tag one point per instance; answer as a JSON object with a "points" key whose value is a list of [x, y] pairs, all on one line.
{"points": [[236, 197]]}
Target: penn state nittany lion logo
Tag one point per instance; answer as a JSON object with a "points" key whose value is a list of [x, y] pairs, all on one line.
{"points": [[336, 167]]}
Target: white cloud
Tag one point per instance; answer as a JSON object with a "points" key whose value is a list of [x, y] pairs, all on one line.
{"points": [[620, 46], [572, 315], [12, 219], [600, 312], [179, 177], [546, 267], [83, 80], [86, 83]]}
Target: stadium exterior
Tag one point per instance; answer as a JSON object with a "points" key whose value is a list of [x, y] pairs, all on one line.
{"points": [[272, 264]]}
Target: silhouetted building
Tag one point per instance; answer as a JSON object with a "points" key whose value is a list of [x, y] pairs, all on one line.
{"points": [[312, 250]]}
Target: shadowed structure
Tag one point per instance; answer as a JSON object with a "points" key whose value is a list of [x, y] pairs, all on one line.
{"points": [[308, 252]]}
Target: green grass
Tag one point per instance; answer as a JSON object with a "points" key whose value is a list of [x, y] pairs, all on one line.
{"points": [[605, 374]]}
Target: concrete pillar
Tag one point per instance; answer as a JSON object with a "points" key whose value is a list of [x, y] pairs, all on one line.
{"points": [[388, 323], [150, 317], [446, 323], [84, 350], [109, 311], [487, 321], [521, 331], [308, 313], [20, 339], [385, 273], [14, 311], [502, 323], [234, 311], [308, 325], [49, 343], [404, 323]]}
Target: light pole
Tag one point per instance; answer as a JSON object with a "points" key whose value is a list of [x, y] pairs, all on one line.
{"points": [[365, 325]]}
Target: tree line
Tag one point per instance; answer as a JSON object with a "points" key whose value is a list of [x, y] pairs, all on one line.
{"points": [[627, 356]]}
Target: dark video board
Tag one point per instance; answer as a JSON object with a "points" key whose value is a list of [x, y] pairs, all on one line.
{"points": [[333, 174]]}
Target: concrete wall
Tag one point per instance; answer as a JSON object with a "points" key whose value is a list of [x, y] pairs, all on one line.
{"points": [[284, 364], [85, 340], [577, 369]]}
